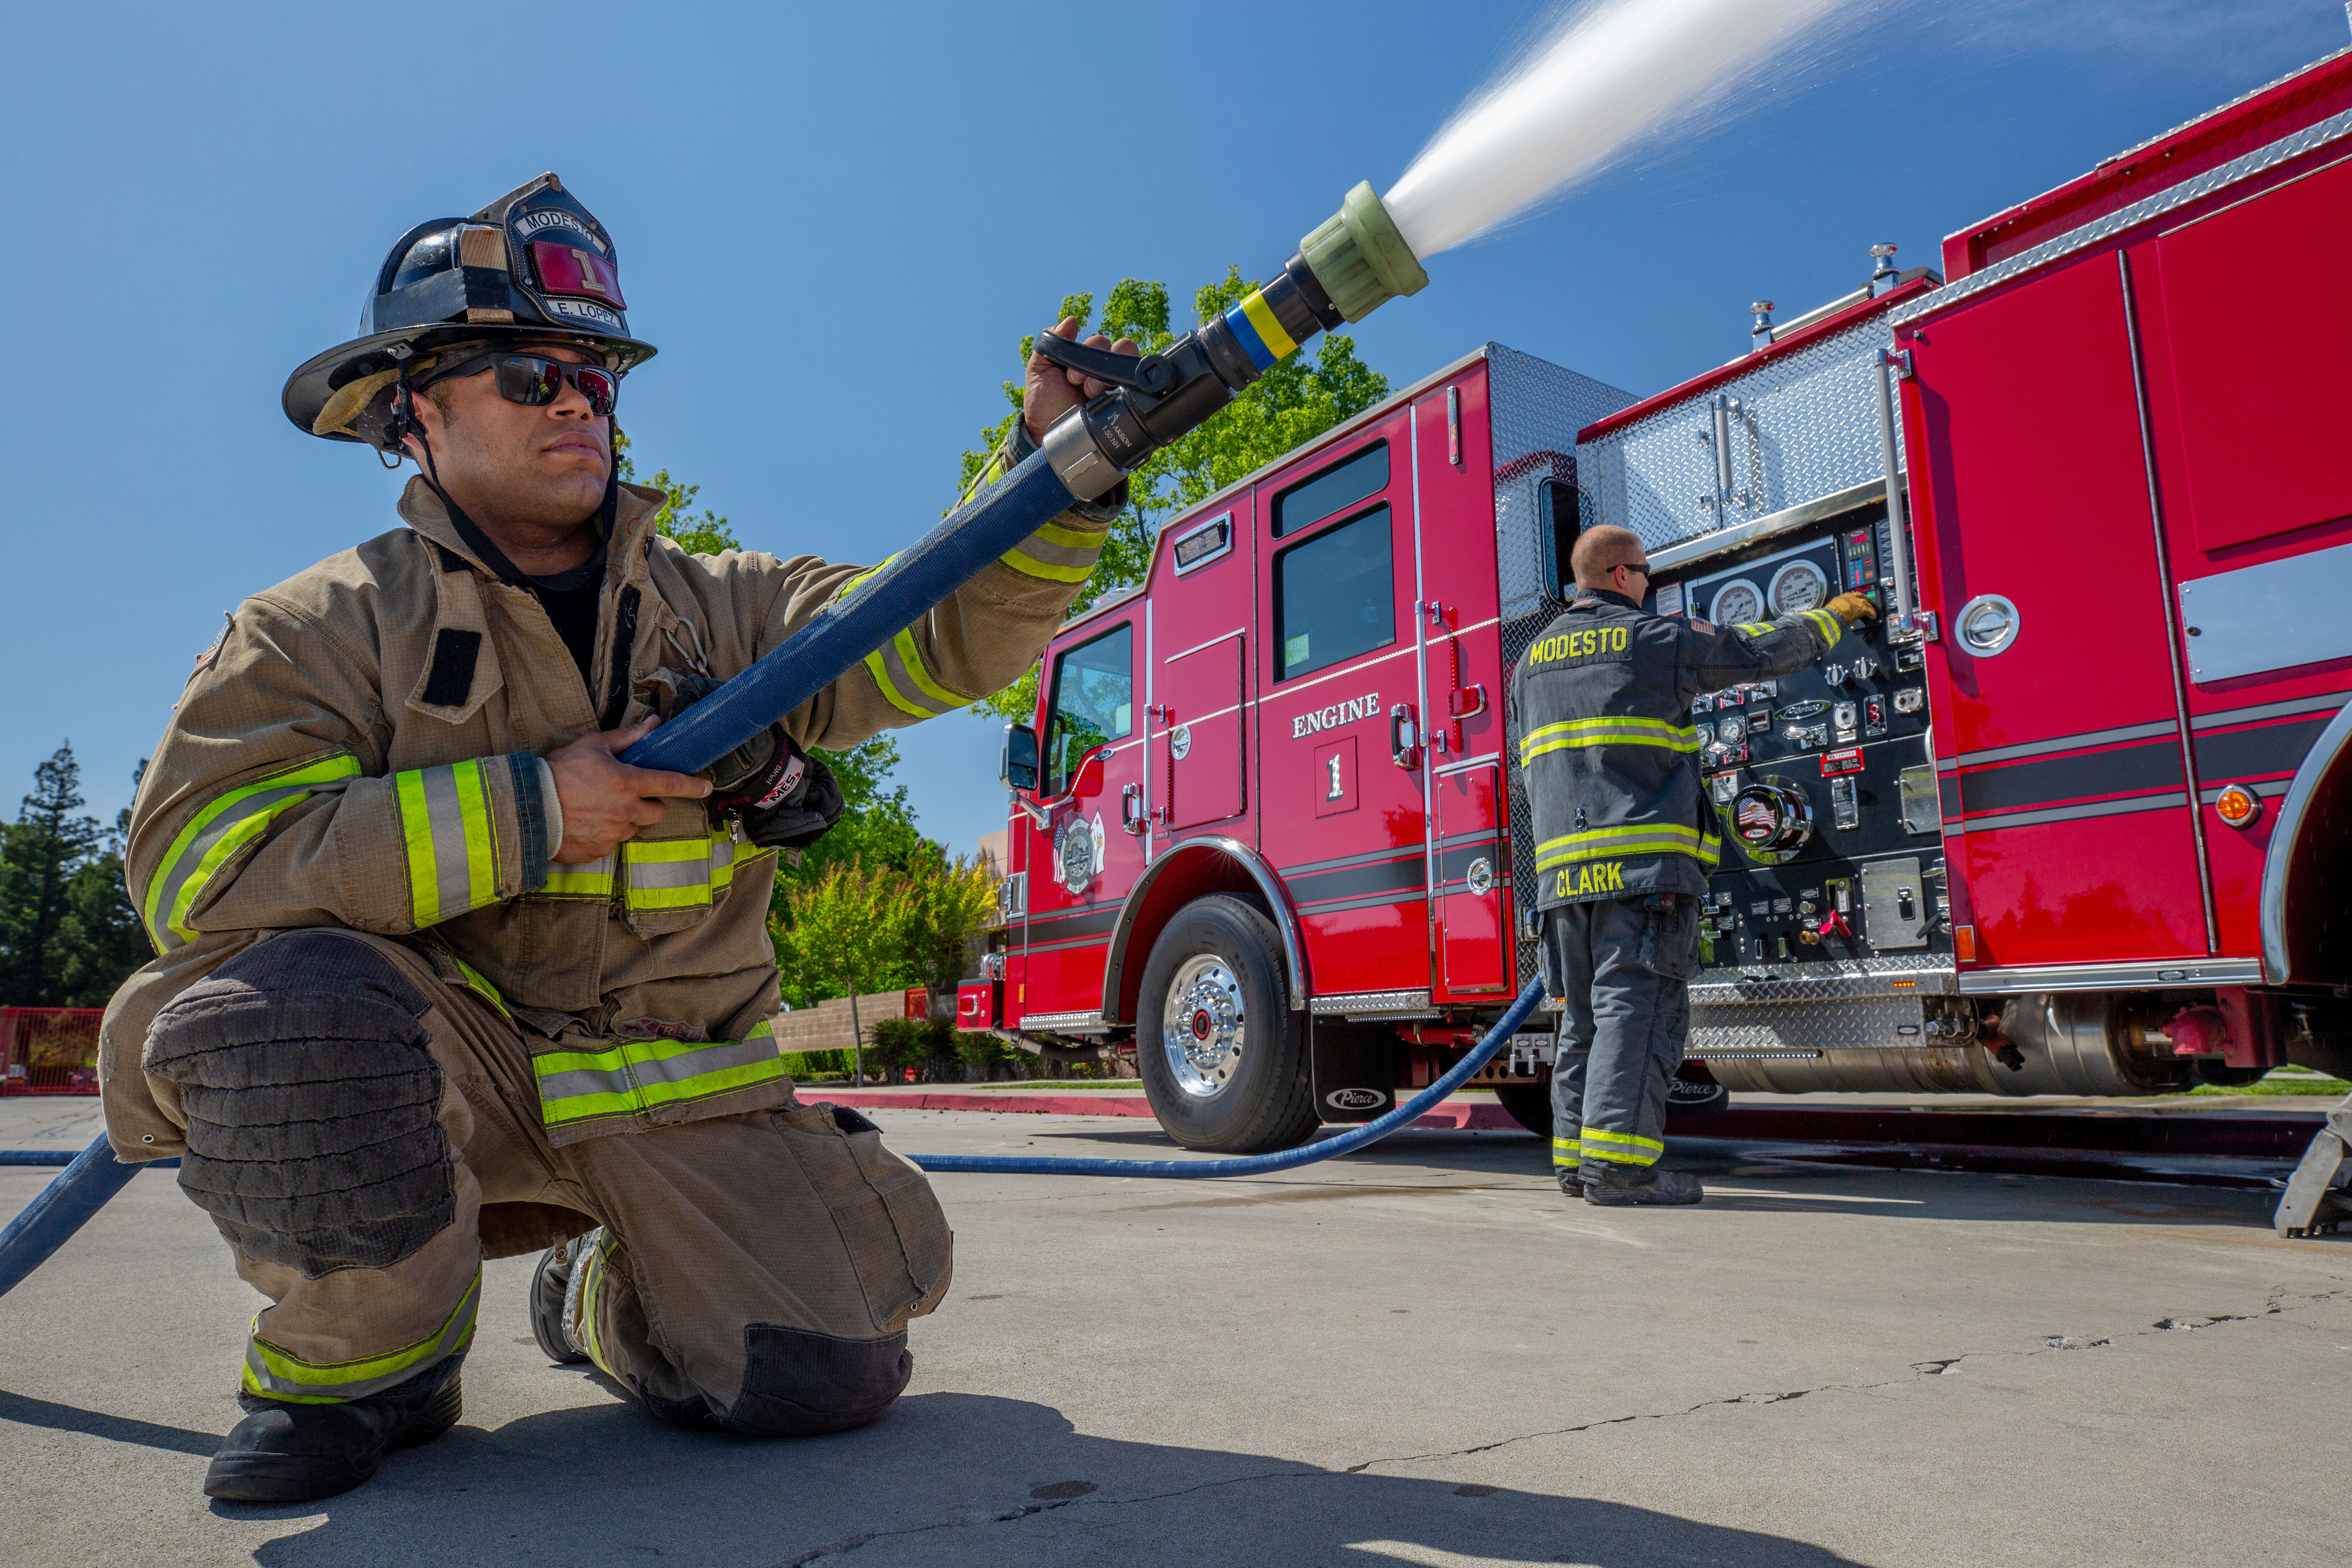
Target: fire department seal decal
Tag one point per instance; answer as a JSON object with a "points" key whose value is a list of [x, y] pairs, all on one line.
{"points": [[1180, 742]]}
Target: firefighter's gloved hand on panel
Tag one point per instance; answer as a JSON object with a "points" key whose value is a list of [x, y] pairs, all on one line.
{"points": [[1625, 839], [443, 979], [1852, 607]]}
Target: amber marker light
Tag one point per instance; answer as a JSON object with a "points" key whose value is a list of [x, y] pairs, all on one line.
{"points": [[2237, 805]]}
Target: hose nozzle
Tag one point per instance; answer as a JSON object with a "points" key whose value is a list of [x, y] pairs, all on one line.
{"points": [[1359, 258]]}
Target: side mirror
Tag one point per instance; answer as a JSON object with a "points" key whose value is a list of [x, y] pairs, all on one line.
{"points": [[1089, 782], [1017, 767]]}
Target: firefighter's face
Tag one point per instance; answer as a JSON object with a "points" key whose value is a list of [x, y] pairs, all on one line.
{"points": [[542, 467]]}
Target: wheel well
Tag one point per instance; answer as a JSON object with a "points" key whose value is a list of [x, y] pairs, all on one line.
{"points": [[2306, 887], [1191, 870]]}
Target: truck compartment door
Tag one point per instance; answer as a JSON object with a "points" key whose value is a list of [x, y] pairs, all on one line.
{"points": [[2065, 798], [1471, 946], [1197, 734]]}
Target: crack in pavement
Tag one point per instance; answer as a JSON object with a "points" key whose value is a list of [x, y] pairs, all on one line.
{"points": [[2278, 1303]]}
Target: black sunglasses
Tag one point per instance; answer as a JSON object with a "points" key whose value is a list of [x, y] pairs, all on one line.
{"points": [[535, 383]]}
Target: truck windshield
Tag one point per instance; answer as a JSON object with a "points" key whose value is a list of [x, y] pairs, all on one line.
{"points": [[1335, 595], [1094, 703]]}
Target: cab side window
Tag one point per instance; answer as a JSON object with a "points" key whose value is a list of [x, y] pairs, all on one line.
{"points": [[1335, 595], [1094, 703]]}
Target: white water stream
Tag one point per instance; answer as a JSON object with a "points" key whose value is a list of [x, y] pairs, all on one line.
{"points": [[1607, 74]]}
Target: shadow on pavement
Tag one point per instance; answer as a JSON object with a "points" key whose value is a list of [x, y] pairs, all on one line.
{"points": [[28, 1412], [950, 1478]]}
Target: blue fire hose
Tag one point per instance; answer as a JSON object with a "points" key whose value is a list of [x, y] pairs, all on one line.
{"points": [[94, 1175], [836, 637], [1346, 1143]]}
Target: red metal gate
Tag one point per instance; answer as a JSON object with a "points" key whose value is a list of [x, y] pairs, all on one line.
{"points": [[48, 1050]]}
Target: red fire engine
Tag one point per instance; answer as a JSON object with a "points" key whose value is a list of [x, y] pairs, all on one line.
{"points": [[2071, 817]]}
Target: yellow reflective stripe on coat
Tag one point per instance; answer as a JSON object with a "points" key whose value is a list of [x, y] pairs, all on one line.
{"points": [[1057, 553], [218, 833], [1624, 730], [677, 873], [1564, 1151], [1637, 838], [480, 985], [906, 683], [588, 879], [277, 1374], [633, 1078], [1830, 627], [1620, 1148], [450, 839]]}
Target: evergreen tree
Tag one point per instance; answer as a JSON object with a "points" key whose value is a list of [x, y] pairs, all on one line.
{"points": [[46, 846]]}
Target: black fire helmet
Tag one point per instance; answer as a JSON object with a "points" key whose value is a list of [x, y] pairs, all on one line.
{"points": [[533, 266]]}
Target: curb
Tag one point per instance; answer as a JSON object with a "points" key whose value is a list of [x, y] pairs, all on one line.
{"points": [[1452, 1115]]}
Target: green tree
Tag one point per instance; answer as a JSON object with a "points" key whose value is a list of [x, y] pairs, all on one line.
{"points": [[705, 535], [46, 846], [102, 938], [1294, 402], [847, 927], [943, 907]]}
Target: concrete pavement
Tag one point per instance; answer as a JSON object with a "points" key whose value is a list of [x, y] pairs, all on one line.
{"points": [[1419, 1356]]}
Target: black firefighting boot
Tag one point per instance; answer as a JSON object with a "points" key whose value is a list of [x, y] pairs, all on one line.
{"points": [[1572, 1181], [549, 1287], [1611, 1186], [294, 1453]]}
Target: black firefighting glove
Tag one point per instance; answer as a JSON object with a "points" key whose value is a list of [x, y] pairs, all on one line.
{"points": [[785, 798]]}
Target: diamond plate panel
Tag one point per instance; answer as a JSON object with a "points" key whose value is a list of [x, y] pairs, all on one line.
{"points": [[1831, 980], [1807, 426], [1859, 1023], [1536, 409]]}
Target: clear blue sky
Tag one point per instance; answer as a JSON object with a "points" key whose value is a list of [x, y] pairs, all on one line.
{"points": [[837, 221]]}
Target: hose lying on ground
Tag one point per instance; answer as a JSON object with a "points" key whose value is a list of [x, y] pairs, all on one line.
{"points": [[95, 1176]]}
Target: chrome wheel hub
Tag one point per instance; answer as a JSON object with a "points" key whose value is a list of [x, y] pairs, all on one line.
{"points": [[1203, 1026]]}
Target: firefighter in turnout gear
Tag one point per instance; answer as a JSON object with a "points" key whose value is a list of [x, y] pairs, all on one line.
{"points": [[442, 979], [1625, 838]]}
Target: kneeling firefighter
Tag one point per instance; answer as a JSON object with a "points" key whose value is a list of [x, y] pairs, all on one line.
{"points": [[442, 979], [1624, 841]]}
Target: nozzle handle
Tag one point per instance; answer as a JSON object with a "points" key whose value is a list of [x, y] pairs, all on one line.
{"points": [[1143, 373]]}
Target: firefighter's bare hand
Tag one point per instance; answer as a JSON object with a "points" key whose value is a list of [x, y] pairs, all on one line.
{"points": [[1053, 391], [605, 800], [1852, 607]]}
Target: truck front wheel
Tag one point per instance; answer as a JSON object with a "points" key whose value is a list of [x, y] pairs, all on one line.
{"points": [[1223, 1057]]}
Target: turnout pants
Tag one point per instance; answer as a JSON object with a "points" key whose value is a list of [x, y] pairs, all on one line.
{"points": [[756, 1271], [1623, 968]]}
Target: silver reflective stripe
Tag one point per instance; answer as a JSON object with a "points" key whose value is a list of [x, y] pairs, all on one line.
{"points": [[219, 833], [450, 861]]}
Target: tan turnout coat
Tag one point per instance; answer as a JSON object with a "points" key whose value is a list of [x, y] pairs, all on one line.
{"points": [[327, 766]]}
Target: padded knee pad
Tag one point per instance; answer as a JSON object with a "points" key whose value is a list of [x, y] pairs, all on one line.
{"points": [[798, 1383], [311, 1103]]}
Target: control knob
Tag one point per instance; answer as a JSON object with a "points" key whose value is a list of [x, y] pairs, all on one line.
{"points": [[1834, 674], [1864, 666]]}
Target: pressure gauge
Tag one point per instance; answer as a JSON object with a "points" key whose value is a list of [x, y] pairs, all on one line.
{"points": [[1799, 586], [1732, 729], [1736, 604]]}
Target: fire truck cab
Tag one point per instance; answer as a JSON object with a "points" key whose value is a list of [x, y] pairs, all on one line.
{"points": [[2071, 817]]}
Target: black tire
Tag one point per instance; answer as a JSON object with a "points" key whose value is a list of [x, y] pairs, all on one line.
{"points": [[1242, 1086], [1529, 1104]]}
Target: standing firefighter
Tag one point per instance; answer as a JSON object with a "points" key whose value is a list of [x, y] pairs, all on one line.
{"points": [[1624, 841], [442, 979]]}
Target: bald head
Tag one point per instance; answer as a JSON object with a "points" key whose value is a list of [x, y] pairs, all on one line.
{"points": [[1600, 552]]}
